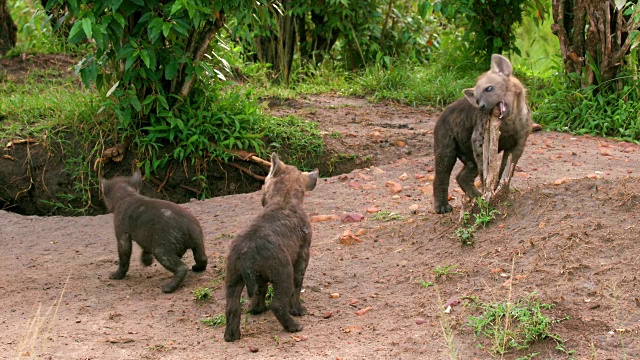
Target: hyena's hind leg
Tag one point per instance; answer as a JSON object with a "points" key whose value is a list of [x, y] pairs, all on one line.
{"points": [[173, 263], [233, 311], [444, 162], [299, 269], [466, 178], [282, 294]]}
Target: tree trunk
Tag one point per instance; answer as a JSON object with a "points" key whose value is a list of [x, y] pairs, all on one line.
{"points": [[602, 47], [8, 29], [278, 47]]}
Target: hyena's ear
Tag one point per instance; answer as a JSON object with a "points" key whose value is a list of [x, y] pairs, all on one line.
{"points": [[136, 180], [312, 179], [276, 165], [501, 65], [468, 93]]}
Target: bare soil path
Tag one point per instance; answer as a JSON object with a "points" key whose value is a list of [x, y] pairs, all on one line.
{"points": [[570, 233]]}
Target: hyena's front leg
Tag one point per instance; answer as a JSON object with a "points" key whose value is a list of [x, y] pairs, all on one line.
{"points": [[124, 256]]}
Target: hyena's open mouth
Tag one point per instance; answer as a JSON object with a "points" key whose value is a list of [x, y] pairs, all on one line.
{"points": [[502, 107]]}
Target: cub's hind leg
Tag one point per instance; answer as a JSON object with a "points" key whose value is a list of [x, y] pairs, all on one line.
{"points": [[173, 263]]}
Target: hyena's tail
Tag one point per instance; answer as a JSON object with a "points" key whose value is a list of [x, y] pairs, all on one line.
{"points": [[249, 278]]}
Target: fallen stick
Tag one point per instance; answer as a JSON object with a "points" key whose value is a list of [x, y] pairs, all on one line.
{"points": [[247, 156], [246, 171]]}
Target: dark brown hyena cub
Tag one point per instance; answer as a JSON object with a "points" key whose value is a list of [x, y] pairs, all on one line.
{"points": [[459, 131], [163, 230], [273, 249]]}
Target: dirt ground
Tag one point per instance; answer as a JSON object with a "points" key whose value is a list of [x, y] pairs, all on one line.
{"points": [[569, 232]]}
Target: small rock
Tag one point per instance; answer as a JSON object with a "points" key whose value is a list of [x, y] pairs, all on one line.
{"points": [[327, 315], [394, 187], [403, 177], [352, 329], [253, 349], [420, 321], [373, 210], [355, 185], [363, 311], [334, 295], [352, 217], [414, 208], [321, 218]]}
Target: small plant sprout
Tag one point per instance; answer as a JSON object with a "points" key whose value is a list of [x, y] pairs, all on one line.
{"points": [[426, 284], [446, 270], [487, 213], [202, 293], [385, 215], [510, 326], [214, 321]]}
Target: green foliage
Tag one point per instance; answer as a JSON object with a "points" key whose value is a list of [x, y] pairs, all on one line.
{"points": [[426, 284], [603, 110], [269, 296], [35, 34], [466, 233], [385, 215], [490, 24], [368, 31], [444, 271], [511, 326], [202, 293], [214, 321], [299, 139], [486, 214]]}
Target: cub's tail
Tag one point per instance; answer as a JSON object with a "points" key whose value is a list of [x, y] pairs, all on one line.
{"points": [[249, 278]]}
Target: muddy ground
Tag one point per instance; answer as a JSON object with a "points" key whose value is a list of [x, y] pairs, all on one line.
{"points": [[569, 233]]}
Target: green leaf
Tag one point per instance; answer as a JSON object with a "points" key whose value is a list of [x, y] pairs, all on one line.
{"points": [[144, 55], [148, 100], [177, 6], [74, 32], [130, 61], [171, 70], [154, 29], [119, 19], [114, 4], [135, 102], [166, 27], [86, 26], [163, 102]]}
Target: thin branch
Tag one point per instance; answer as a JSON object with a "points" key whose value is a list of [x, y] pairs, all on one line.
{"points": [[246, 171]]}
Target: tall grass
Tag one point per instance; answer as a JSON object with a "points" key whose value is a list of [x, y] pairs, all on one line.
{"points": [[35, 34]]}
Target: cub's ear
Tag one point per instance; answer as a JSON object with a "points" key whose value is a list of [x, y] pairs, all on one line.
{"points": [[501, 65], [136, 180], [312, 179], [276, 165], [468, 93]]}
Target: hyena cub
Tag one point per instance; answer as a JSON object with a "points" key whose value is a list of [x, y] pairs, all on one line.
{"points": [[273, 249], [459, 131], [163, 230]]}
